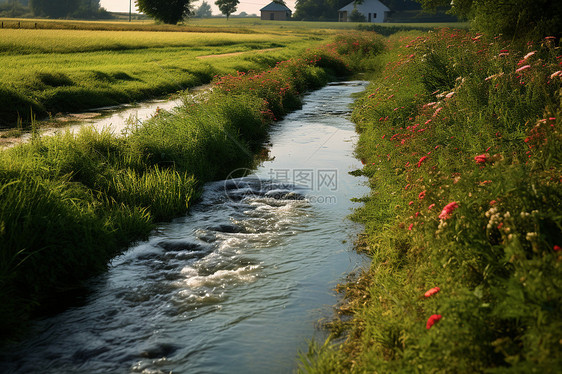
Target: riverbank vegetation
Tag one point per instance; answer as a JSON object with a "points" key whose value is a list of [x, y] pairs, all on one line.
{"points": [[460, 138], [69, 203]]}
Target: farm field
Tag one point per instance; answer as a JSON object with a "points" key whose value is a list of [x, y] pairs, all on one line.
{"points": [[47, 71]]}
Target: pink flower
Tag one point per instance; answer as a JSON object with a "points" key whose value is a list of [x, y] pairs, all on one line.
{"points": [[529, 55], [432, 291], [448, 209], [432, 320], [421, 160], [525, 67], [410, 227], [430, 207], [481, 159]]}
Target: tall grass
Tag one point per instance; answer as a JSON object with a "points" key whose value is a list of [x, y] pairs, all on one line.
{"points": [[68, 203], [460, 137]]}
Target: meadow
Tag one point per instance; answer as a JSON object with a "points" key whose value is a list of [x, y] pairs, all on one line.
{"points": [[460, 138], [46, 71]]}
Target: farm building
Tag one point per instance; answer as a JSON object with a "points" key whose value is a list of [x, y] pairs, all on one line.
{"points": [[275, 11], [373, 10]]}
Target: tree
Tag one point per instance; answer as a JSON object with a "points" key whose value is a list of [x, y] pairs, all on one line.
{"points": [[204, 10], [68, 8], [356, 16], [53, 8], [167, 11], [227, 7], [513, 18], [318, 10]]}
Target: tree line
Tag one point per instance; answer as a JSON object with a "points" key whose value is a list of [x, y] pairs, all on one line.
{"points": [[85, 9], [174, 11]]}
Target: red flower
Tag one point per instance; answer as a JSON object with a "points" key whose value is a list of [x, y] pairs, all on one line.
{"points": [[430, 207], [432, 291], [481, 159], [410, 227], [431, 321], [421, 160], [448, 209], [557, 248], [422, 194]]}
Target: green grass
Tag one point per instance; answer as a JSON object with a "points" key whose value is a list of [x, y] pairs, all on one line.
{"points": [[460, 137], [50, 71], [69, 203]]}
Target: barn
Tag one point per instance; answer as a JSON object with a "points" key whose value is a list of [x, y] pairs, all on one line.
{"points": [[373, 10], [275, 12]]}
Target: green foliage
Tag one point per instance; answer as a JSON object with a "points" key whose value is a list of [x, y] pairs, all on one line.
{"points": [[68, 9], [315, 10], [204, 10], [357, 16], [512, 18], [167, 11], [227, 7], [460, 137]]}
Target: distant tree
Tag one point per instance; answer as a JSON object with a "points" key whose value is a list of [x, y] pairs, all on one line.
{"points": [[398, 5], [282, 2], [13, 8], [53, 8], [167, 11], [513, 18], [68, 8], [227, 7], [356, 16], [204, 10], [318, 10]]}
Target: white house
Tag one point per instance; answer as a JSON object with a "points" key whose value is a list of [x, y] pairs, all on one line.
{"points": [[373, 10]]}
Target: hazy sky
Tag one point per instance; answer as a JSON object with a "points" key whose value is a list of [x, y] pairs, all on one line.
{"points": [[248, 6]]}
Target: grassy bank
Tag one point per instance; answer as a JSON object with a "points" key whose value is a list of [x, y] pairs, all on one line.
{"points": [[47, 71], [460, 137], [69, 203]]}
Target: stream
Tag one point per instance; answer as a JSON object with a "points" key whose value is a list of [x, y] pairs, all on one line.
{"points": [[237, 285]]}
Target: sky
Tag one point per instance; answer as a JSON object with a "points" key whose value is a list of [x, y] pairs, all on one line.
{"points": [[248, 6]]}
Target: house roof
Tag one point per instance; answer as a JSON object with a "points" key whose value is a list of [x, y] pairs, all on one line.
{"points": [[275, 7], [366, 6]]}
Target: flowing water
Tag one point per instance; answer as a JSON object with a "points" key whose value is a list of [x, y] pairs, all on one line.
{"points": [[239, 284]]}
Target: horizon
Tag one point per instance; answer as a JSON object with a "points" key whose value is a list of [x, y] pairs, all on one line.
{"points": [[250, 7]]}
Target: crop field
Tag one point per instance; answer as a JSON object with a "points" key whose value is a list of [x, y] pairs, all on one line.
{"points": [[46, 71]]}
